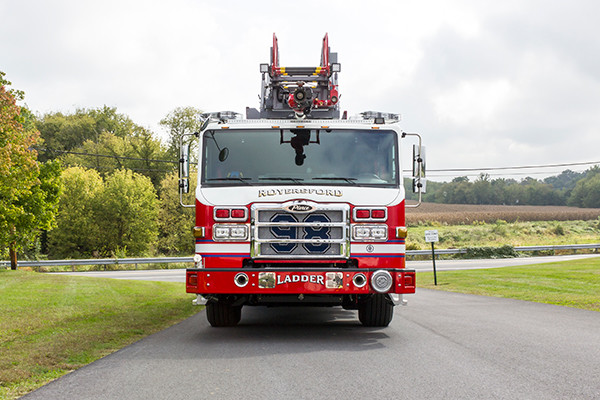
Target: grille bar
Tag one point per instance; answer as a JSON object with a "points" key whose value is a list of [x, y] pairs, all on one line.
{"points": [[277, 232]]}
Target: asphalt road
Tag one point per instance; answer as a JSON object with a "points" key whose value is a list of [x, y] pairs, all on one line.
{"points": [[441, 346]]}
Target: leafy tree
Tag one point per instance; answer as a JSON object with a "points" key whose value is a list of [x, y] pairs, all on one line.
{"points": [[565, 181], [126, 211], [28, 191], [76, 234], [175, 222], [587, 191], [139, 152], [180, 121], [66, 132], [104, 217]]}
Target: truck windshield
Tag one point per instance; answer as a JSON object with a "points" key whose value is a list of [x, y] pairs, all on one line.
{"points": [[300, 157]]}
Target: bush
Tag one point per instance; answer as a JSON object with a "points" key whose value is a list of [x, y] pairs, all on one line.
{"points": [[505, 251]]}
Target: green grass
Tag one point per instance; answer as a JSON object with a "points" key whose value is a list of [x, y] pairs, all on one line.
{"points": [[566, 283], [53, 324], [531, 233]]}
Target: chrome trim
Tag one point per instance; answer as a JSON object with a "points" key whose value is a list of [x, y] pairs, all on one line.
{"points": [[241, 279], [256, 242], [362, 282]]}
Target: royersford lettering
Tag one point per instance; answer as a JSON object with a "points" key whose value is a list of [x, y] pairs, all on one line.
{"points": [[318, 192]]}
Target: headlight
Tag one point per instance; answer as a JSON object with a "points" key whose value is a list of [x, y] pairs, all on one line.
{"points": [[230, 232], [369, 232]]}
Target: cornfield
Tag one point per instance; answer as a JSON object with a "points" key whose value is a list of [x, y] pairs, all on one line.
{"points": [[457, 214]]}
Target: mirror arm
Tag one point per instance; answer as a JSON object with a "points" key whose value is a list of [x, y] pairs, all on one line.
{"points": [[184, 165], [419, 172]]}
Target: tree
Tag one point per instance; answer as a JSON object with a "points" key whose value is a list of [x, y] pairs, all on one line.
{"points": [[112, 216], [175, 222], [76, 234], [28, 191], [140, 153], [126, 211], [181, 121], [587, 191], [66, 132]]}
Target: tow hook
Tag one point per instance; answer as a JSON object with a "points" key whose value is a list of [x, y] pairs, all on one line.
{"points": [[199, 300], [397, 299]]}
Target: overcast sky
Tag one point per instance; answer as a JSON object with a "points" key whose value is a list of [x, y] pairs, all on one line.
{"points": [[487, 83]]}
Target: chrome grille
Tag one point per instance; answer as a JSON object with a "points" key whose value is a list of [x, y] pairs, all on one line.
{"points": [[321, 232]]}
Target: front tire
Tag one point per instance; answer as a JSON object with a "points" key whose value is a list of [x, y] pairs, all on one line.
{"points": [[221, 314], [376, 311]]}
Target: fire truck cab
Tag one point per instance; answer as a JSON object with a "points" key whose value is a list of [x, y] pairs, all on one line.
{"points": [[297, 206]]}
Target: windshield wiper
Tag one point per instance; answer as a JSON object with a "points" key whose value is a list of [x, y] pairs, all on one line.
{"points": [[281, 178], [229, 178], [337, 178]]}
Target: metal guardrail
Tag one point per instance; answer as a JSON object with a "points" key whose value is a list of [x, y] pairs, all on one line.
{"points": [[168, 260], [100, 261], [518, 248]]}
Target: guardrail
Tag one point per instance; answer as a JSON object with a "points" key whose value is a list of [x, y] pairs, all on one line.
{"points": [[169, 260], [519, 248]]}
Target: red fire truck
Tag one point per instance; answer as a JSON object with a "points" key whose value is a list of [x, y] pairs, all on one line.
{"points": [[297, 205]]}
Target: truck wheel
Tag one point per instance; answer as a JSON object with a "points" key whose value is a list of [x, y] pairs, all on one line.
{"points": [[376, 311], [223, 314]]}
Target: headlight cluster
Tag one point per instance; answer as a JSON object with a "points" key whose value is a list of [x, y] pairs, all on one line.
{"points": [[230, 232], [369, 232]]}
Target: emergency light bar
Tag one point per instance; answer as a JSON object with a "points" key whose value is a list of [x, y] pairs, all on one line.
{"points": [[222, 115], [380, 117]]}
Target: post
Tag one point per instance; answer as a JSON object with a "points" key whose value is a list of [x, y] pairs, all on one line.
{"points": [[433, 258], [432, 237]]}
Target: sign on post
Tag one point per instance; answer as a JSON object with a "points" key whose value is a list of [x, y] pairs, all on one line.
{"points": [[431, 236]]}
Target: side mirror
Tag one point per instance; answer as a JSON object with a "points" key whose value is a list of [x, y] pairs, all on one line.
{"points": [[184, 168], [419, 182]]}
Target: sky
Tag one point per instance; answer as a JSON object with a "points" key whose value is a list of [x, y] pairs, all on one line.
{"points": [[486, 83]]}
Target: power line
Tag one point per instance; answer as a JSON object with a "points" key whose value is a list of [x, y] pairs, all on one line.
{"points": [[515, 167], [132, 169], [498, 174], [104, 155]]}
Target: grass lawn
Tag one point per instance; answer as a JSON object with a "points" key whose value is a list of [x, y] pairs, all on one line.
{"points": [[529, 233], [565, 283], [50, 324]]}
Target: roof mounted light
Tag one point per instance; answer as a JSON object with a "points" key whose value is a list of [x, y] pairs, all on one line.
{"points": [[222, 115], [336, 67], [264, 68], [380, 117]]}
